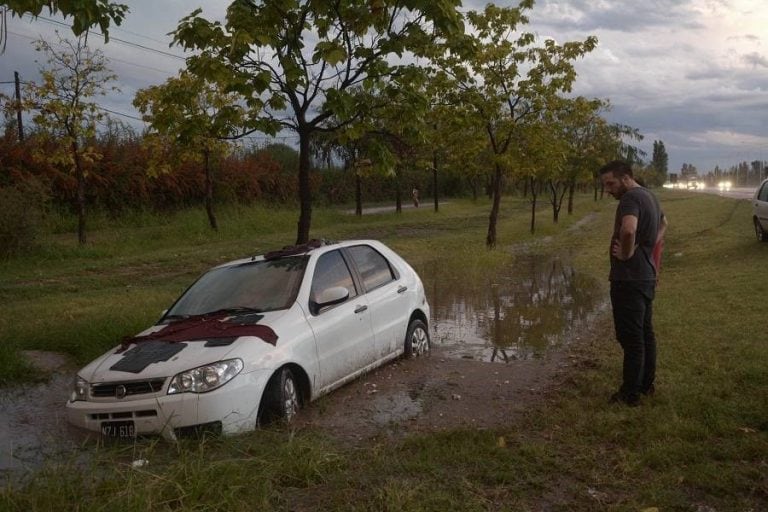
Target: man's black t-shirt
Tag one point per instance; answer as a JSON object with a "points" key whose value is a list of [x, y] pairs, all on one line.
{"points": [[642, 204]]}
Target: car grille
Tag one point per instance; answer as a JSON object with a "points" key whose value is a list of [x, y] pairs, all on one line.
{"points": [[142, 387]]}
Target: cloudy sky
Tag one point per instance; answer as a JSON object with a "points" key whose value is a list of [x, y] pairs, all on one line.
{"points": [[692, 73]]}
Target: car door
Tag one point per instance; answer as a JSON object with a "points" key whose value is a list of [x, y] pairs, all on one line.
{"points": [[390, 308], [342, 331]]}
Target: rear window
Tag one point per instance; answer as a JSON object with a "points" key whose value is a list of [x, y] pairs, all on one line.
{"points": [[763, 195], [374, 268]]}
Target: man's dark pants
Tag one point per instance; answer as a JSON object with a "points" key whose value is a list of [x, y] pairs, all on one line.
{"points": [[632, 303]]}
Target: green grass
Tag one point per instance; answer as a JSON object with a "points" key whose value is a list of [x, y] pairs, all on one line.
{"points": [[700, 444]]}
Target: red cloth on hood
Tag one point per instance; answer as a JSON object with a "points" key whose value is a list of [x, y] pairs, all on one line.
{"points": [[204, 328]]}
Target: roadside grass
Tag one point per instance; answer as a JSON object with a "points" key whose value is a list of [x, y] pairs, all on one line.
{"points": [[700, 444]]}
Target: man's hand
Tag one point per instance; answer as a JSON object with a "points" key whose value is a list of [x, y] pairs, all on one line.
{"points": [[617, 252]]}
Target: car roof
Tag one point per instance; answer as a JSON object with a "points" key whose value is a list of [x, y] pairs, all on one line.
{"points": [[289, 251]]}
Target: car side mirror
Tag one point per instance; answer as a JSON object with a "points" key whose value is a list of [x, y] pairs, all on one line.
{"points": [[332, 296]]}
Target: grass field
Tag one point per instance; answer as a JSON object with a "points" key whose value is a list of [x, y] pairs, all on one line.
{"points": [[700, 445]]}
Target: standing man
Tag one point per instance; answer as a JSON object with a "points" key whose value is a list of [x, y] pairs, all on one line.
{"points": [[639, 225]]}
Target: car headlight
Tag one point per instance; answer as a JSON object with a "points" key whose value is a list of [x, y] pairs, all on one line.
{"points": [[79, 389], [205, 378]]}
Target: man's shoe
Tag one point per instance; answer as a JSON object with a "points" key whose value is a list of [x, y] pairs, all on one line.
{"points": [[650, 391]]}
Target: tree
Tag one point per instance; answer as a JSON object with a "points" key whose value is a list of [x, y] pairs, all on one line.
{"points": [[297, 64], [660, 161], [197, 117], [63, 108], [502, 80], [84, 13]]}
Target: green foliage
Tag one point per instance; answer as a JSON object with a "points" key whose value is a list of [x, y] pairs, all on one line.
{"points": [[21, 216], [84, 13], [305, 61]]}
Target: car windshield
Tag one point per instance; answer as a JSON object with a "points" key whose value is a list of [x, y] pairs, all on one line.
{"points": [[245, 288]]}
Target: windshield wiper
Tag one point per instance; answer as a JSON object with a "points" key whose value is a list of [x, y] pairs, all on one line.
{"points": [[235, 310]]}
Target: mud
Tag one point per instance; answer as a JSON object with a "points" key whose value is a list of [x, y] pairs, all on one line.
{"points": [[33, 426], [497, 346]]}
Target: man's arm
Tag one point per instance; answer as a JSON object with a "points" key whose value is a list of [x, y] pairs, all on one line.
{"points": [[662, 228], [624, 247]]}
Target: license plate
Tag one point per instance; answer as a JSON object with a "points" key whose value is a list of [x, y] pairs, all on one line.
{"points": [[118, 429]]}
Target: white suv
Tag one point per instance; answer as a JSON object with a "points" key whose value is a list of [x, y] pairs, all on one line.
{"points": [[760, 212]]}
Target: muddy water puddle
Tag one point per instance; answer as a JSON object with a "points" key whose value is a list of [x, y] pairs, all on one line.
{"points": [[33, 426], [532, 307]]}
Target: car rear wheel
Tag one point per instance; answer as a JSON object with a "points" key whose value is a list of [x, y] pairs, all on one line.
{"points": [[762, 236], [282, 399], [417, 339]]}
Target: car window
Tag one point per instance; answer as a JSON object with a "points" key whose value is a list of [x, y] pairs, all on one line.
{"points": [[259, 285], [763, 196], [374, 268], [331, 270]]}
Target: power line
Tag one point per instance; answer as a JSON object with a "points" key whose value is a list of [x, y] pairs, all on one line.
{"points": [[121, 114], [112, 38]]}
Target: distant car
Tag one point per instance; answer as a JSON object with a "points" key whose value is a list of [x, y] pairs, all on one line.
{"points": [[760, 211], [724, 185], [253, 340]]}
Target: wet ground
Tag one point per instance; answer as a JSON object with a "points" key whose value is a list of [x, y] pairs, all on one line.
{"points": [[33, 425], [497, 344]]}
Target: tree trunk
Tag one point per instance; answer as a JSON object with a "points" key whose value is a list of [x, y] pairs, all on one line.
{"points": [[594, 186], [358, 195], [490, 240], [209, 191], [534, 195], [80, 177], [434, 178], [398, 191], [305, 191], [571, 191]]}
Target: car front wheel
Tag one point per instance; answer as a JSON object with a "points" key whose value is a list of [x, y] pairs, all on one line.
{"points": [[282, 400], [762, 236], [417, 339]]}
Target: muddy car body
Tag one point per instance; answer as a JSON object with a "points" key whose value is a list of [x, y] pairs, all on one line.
{"points": [[254, 339]]}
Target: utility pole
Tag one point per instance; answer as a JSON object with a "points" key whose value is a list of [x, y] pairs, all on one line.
{"points": [[18, 106]]}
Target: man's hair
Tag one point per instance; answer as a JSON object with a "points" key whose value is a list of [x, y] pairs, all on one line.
{"points": [[619, 168]]}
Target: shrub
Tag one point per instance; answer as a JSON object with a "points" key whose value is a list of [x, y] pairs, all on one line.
{"points": [[21, 215]]}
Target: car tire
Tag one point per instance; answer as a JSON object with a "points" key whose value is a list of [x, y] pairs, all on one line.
{"points": [[282, 399], [417, 341], [762, 236]]}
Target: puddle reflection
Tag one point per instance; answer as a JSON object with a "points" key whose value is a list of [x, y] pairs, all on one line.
{"points": [[533, 306]]}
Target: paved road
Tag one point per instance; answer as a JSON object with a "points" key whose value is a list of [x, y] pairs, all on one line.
{"points": [[736, 193]]}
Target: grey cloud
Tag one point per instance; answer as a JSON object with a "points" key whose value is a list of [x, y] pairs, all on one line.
{"points": [[755, 59]]}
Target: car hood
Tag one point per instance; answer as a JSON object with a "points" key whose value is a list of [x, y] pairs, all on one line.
{"points": [[184, 355]]}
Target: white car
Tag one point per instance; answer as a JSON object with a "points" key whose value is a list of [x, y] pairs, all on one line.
{"points": [[760, 211], [255, 339]]}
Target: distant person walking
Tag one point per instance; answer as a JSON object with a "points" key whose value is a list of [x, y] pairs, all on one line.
{"points": [[415, 196], [638, 228]]}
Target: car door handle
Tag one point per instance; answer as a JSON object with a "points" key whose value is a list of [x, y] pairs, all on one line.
{"points": [[402, 289], [361, 308]]}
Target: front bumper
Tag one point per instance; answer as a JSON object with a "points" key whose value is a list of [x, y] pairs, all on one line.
{"points": [[235, 405]]}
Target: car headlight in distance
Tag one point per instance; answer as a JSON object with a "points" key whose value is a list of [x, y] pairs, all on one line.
{"points": [[79, 389], [205, 378]]}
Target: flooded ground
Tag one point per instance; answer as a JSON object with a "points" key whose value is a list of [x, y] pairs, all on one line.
{"points": [[533, 307], [33, 426], [497, 345]]}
